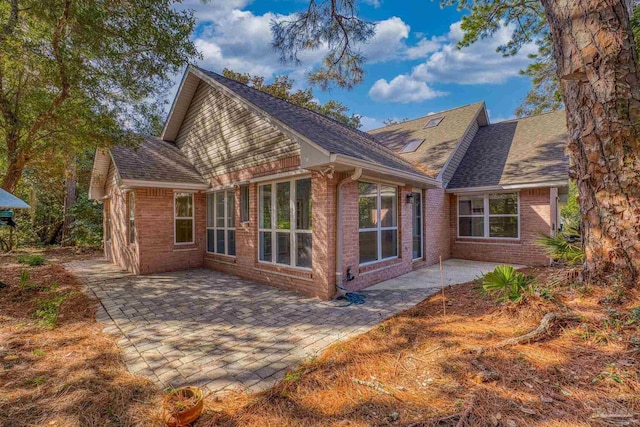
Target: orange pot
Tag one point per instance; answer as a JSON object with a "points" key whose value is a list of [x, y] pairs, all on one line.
{"points": [[188, 415]]}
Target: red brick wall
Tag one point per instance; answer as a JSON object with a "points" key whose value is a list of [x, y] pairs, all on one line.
{"points": [[155, 225], [436, 220], [535, 218], [117, 249]]}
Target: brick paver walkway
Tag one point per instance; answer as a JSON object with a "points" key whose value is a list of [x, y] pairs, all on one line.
{"points": [[202, 327]]}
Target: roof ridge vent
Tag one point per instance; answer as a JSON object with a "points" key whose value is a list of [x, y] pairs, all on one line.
{"points": [[433, 122]]}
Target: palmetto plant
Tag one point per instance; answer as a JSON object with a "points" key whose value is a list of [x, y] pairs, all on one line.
{"points": [[507, 284], [563, 247]]}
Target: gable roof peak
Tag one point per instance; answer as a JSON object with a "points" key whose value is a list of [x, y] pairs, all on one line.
{"points": [[327, 134]]}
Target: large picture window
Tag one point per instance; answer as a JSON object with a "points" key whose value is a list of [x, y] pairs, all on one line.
{"points": [[378, 222], [284, 223], [489, 216], [183, 218], [221, 231]]}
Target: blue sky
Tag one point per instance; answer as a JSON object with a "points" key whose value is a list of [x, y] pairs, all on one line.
{"points": [[413, 66]]}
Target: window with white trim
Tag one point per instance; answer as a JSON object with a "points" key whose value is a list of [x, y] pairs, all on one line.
{"points": [[284, 223], [183, 218], [495, 215], [378, 222], [221, 230]]}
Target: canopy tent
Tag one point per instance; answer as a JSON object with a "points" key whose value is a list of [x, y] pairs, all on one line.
{"points": [[9, 201]]}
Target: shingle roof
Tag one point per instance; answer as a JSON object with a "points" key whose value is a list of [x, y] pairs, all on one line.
{"points": [[155, 160], [329, 134], [439, 141], [516, 152]]}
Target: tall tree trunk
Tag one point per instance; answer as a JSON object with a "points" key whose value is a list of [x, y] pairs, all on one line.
{"points": [[71, 178], [598, 68], [17, 161]]}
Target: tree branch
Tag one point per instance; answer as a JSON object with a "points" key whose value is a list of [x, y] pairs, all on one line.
{"points": [[64, 78]]}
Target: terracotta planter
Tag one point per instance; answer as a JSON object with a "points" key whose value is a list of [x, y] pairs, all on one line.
{"points": [[186, 416]]}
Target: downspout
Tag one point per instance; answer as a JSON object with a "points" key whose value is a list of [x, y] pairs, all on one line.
{"points": [[356, 175]]}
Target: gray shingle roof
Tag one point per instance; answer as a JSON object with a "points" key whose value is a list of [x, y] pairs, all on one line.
{"points": [[439, 141], [329, 134], [155, 160], [517, 151]]}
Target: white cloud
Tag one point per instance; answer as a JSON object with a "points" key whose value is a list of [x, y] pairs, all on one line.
{"points": [[424, 47], [445, 63], [475, 64], [374, 3], [402, 89], [241, 40], [230, 37], [368, 123], [388, 42], [499, 119]]}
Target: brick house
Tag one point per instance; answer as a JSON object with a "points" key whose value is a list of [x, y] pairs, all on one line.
{"points": [[248, 184]]}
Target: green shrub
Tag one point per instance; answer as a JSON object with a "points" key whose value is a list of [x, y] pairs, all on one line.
{"points": [[31, 260], [507, 284], [49, 309]]}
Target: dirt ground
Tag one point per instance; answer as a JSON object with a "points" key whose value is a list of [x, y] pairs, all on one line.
{"points": [[419, 368], [72, 375]]}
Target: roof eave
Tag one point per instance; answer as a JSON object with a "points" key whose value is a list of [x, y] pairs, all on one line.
{"points": [[416, 178], [519, 186], [141, 183]]}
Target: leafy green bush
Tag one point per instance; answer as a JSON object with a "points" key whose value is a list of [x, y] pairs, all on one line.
{"points": [[86, 229], [49, 309], [31, 260], [507, 284]]}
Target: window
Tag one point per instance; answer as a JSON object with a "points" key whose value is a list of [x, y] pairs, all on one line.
{"points": [[221, 232], [107, 219], [433, 122], [284, 223], [412, 146], [417, 225], [183, 218], [378, 222], [132, 217], [489, 216], [244, 203]]}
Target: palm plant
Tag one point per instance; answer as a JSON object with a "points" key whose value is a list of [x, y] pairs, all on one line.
{"points": [[564, 247], [507, 284]]}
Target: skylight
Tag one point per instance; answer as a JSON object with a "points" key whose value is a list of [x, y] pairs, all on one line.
{"points": [[433, 122], [412, 146]]}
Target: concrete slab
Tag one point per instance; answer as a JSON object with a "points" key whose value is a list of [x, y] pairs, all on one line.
{"points": [[455, 271]]}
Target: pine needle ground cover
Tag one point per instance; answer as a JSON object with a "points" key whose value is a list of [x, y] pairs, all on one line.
{"points": [[419, 368]]}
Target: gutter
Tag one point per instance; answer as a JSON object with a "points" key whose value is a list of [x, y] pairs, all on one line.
{"points": [[362, 164], [540, 184], [131, 183], [356, 175]]}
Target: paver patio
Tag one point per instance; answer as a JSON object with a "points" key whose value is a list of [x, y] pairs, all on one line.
{"points": [[203, 327]]}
